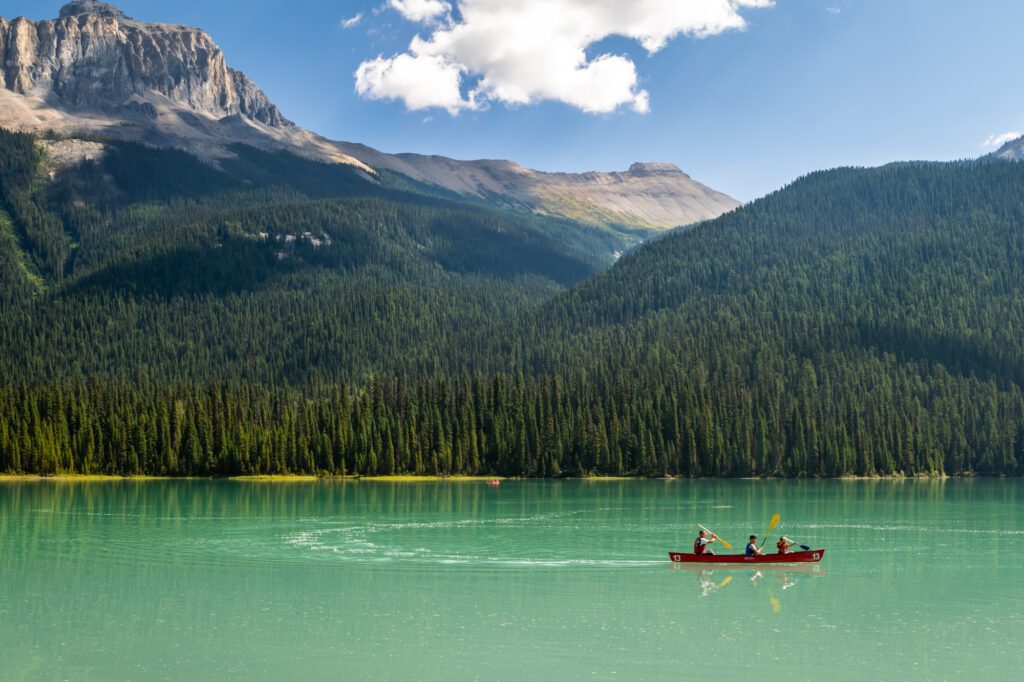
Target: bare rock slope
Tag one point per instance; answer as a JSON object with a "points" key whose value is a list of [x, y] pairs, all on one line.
{"points": [[1011, 151], [95, 70]]}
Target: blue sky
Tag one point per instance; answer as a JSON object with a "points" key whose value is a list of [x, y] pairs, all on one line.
{"points": [[807, 84]]}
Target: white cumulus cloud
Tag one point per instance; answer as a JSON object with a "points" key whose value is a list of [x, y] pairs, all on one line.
{"points": [[518, 52], [420, 10], [352, 22], [1001, 139], [421, 82]]}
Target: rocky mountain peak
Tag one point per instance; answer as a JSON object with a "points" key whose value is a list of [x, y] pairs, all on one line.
{"points": [[86, 62], [654, 168], [77, 7]]}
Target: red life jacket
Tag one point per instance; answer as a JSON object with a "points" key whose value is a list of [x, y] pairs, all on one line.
{"points": [[697, 547]]}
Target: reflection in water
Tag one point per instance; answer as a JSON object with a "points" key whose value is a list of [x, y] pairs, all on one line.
{"points": [[775, 579], [707, 584]]}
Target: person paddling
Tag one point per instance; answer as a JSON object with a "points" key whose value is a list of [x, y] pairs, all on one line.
{"points": [[752, 548], [784, 544], [700, 545]]}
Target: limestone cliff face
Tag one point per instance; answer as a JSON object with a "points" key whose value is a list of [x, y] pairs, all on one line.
{"points": [[95, 57]]}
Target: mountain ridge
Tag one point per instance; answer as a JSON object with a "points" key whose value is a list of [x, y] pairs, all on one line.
{"points": [[94, 70]]}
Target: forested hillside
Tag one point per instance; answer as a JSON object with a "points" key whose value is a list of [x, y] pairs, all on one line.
{"points": [[271, 269], [275, 315], [860, 321]]}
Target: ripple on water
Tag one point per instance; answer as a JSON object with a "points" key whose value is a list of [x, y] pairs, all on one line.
{"points": [[397, 542]]}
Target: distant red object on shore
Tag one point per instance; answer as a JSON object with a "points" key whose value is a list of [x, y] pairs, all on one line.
{"points": [[494, 483]]}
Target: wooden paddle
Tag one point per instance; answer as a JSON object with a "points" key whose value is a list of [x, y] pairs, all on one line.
{"points": [[722, 540], [725, 582], [771, 526]]}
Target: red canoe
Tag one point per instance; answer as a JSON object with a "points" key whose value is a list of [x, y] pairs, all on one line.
{"points": [[808, 557]]}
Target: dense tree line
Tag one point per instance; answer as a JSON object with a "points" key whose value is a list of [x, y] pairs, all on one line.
{"points": [[511, 425], [222, 321]]}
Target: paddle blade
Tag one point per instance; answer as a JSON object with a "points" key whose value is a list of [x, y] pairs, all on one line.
{"points": [[776, 606], [725, 582], [775, 522], [727, 545], [805, 548]]}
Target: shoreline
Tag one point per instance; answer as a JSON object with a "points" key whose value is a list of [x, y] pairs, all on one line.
{"points": [[425, 478], [258, 478]]}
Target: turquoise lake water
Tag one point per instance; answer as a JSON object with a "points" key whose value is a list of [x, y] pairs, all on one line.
{"points": [[223, 580]]}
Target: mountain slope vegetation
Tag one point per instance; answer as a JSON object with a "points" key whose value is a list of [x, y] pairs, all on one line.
{"points": [[860, 321], [245, 320], [222, 273]]}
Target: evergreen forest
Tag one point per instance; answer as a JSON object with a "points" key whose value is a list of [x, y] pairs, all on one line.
{"points": [[272, 315]]}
